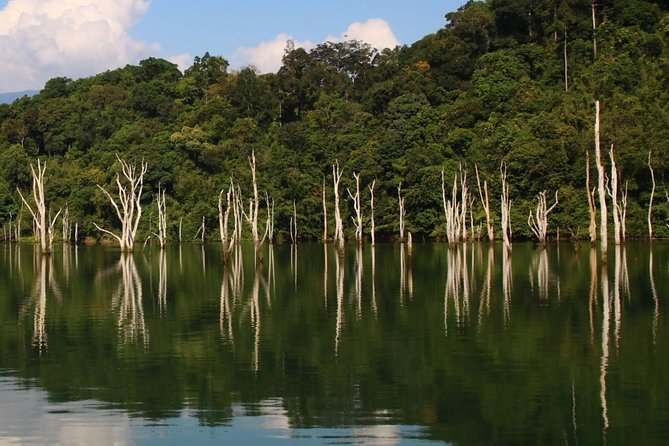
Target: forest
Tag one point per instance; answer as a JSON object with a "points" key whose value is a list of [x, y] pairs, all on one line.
{"points": [[504, 82]]}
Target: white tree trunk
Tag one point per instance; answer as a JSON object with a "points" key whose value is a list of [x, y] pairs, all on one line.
{"points": [[252, 215], [650, 203], [506, 209], [601, 188], [451, 211], [162, 218], [43, 225], [402, 211], [371, 202], [357, 206], [339, 224], [592, 210], [130, 210], [613, 193], [325, 214], [464, 199], [539, 221], [485, 202]]}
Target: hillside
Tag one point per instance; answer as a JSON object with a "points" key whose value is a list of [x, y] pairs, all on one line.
{"points": [[491, 86]]}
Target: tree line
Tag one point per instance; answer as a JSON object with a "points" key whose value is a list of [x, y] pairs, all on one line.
{"points": [[509, 83]]}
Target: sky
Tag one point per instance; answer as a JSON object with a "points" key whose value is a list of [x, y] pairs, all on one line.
{"points": [[42, 39]]}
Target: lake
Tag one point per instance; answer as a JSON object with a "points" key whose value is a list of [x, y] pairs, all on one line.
{"points": [[379, 346]]}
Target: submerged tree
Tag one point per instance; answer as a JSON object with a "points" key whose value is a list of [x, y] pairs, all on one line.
{"points": [[129, 196], [43, 227], [538, 221]]}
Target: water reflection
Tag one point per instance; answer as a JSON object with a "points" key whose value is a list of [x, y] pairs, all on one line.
{"points": [[457, 288], [128, 303], [581, 369]]}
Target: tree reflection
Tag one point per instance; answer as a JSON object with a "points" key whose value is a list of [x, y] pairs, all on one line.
{"points": [[128, 302], [457, 288]]}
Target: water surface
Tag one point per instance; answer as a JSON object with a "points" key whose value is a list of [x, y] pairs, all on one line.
{"points": [[370, 346]]}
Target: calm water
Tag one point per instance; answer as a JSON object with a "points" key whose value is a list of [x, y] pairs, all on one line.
{"points": [[466, 346]]}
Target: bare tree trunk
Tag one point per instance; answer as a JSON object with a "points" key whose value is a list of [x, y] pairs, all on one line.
{"points": [[325, 214], [485, 202], [181, 219], [400, 200], [270, 219], [506, 210], [371, 202], [293, 225], [539, 221], [66, 225], [592, 210], [357, 206], [623, 213], [601, 189], [464, 194], [339, 225], [129, 196], [223, 217], [43, 226], [613, 193], [650, 203], [252, 216], [451, 211], [162, 218]]}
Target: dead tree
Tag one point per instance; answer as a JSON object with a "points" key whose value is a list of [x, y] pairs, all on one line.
{"points": [[325, 214], [67, 227], [506, 209], [43, 226], [451, 211], [601, 188], [538, 222], [650, 203], [200, 232], [130, 210], [339, 224], [293, 225], [371, 202], [464, 200], [270, 219], [252, 215], [402, 210], [357, 206], [223, 216], [485, 202], [162, 218], [612, 190], [592, 209]]}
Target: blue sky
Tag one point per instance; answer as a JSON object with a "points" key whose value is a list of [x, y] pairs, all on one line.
{"points": [[41, 39]]}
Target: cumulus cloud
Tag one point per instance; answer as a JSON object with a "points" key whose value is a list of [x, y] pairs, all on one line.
{"points": [[376, 32], [266, 57], [41, 39]]}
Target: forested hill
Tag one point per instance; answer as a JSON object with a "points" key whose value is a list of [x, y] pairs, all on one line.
{"points": [[488, 87]]}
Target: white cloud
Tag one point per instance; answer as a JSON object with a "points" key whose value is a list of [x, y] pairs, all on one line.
{"points": [[376, 32], [266, 57], [41, 39], [183, 61]]}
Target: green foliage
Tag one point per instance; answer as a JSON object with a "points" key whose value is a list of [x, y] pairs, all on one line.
{"points": [[486, 88]]}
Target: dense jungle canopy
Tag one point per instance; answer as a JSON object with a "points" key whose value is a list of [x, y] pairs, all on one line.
{"points": [[488, 87]]}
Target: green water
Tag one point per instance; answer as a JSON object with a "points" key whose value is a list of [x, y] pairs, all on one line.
{"points": [[376, 346]]}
